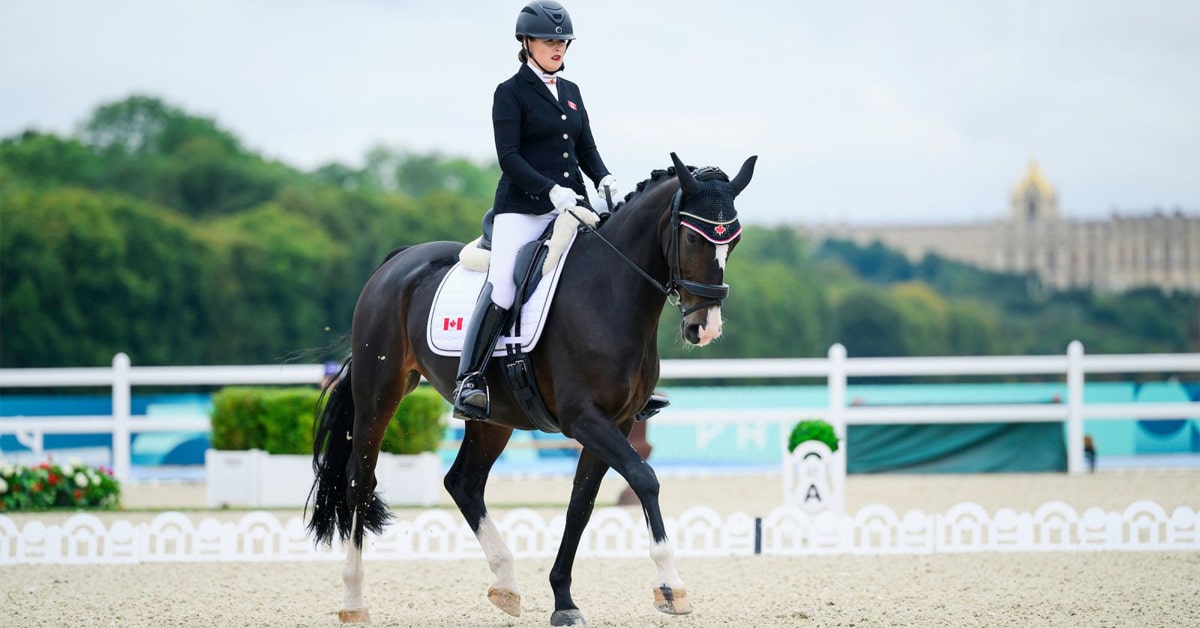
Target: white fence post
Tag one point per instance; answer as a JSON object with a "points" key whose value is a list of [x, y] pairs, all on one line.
{"points": [[1075, 407], [837, 389], [121, 409]]}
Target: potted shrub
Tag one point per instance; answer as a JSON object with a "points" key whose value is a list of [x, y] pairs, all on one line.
{"points": [[813, 429], [262, 447], [814, 473]]}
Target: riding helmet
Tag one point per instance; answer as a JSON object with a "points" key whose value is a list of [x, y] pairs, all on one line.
{"points": [[544, 20]]}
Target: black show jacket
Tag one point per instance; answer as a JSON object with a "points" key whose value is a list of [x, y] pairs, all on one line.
{"points": [[541, 142]]}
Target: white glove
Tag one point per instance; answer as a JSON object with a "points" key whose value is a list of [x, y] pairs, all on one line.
{"points": [[611, 182], [563, 197]]}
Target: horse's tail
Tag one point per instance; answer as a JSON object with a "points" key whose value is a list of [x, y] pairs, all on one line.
{"points": [[332, 448]]}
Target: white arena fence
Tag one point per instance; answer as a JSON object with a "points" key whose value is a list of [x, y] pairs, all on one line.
{"points": [[613, 532], [835, 369]]}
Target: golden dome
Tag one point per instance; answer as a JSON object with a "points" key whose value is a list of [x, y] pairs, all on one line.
{"points": [[1034, 178]]}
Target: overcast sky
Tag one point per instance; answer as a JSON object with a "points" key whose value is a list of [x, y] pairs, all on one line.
{"points": [[860, 111]]}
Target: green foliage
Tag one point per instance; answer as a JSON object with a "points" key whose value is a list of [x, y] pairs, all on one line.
{"points": [[417, 425], [155, 232], [275, 420], [51, 486], [987, 313], [814, 429], [280, 421]]}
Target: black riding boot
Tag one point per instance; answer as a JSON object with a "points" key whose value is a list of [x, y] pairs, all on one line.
{"points": [[653, 406], [471, 401]]}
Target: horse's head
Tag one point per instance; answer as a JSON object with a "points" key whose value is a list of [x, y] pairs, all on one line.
{"points": [[702, 231]]}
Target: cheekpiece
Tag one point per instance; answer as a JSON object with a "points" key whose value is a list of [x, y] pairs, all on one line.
{"points": [[711, 212]]}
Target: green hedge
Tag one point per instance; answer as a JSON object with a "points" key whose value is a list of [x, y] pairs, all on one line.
{"points": [[815, 429], [280, 421]]}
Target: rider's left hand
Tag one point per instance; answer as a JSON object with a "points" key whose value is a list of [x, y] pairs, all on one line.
{"points": [[611, 182]]}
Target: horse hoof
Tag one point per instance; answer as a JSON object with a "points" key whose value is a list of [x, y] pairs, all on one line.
{"points": [[672, 601], [354, 616], [506, 600], [572, 617]]}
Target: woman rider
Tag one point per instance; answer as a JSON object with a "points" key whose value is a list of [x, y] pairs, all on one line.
{"points": [[543, 139]]}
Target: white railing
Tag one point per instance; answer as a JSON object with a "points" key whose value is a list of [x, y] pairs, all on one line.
{"points": [[175, 537], [121, 377], [835, 369]]}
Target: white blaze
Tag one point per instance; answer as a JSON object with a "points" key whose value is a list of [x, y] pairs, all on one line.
{"points": [[712, 324]]}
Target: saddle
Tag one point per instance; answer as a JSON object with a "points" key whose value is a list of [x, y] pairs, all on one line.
{"points": [[543, 252], [536, 260]]}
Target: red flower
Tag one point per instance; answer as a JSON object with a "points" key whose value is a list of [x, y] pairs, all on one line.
{"points": [[53, 479], [37, 487], [78, 495]]}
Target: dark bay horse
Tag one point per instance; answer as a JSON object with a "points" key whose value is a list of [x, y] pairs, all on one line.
{"points": [[596, 365]]}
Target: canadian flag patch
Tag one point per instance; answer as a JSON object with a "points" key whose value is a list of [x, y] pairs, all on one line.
{"points": [[572, 105], [452, 323]]}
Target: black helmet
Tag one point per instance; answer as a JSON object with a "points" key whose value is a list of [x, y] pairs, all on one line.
{"points": [[544, 20]]}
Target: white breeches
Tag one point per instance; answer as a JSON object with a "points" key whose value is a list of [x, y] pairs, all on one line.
{"points": [[509, 233]]}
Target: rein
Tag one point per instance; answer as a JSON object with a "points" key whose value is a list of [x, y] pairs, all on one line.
{"points": [[713, 294]]}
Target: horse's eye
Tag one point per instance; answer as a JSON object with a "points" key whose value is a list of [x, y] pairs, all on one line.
{"points": [[693, 239]]}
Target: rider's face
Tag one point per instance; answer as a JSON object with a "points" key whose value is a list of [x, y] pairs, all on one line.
{"points": [[548, 53]]}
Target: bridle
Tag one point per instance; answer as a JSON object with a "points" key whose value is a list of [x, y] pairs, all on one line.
{"points": [[712, 293]]}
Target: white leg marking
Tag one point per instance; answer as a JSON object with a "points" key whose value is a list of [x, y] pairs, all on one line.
{"points": [[664, 558], [499, 557], [352, 572]]}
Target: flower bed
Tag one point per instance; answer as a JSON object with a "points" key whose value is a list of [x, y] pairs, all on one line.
{"points": [[49, 485]]}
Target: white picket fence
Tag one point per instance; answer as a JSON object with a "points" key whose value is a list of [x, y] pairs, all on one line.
{"points": [[835, 369], [613, 532]]}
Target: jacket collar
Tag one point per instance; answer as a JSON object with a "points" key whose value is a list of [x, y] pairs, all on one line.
{"points": [[535, 82]]}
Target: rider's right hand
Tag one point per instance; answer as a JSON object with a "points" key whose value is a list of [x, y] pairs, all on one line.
{"points": [[563, 198]]}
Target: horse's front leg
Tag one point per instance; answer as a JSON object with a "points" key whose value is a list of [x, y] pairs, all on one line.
{"points": [[610, 445], [465, 481]]}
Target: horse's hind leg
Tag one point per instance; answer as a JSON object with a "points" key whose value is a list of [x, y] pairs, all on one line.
{"points": [[588, 475], [465, 481], [382, 395]]}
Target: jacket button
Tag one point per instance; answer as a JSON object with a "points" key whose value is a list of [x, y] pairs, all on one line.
{"points": [[564, 116], [566, 137], [566, 155], [566, 175]]}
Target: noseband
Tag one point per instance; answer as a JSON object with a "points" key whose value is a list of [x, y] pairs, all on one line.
{"points": [[712, 293]]}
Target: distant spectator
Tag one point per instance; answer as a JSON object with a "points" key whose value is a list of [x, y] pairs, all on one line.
{"points": [[1089, 453], [332, 368]]}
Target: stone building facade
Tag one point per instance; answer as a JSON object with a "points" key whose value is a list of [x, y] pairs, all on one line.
{"points": [[1123, 252]]}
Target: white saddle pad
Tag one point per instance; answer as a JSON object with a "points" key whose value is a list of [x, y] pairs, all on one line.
{"points": [[455, 302]]}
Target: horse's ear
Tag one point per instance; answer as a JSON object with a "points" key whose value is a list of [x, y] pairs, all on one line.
{"points": [[742, 179], [686, 180]]}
